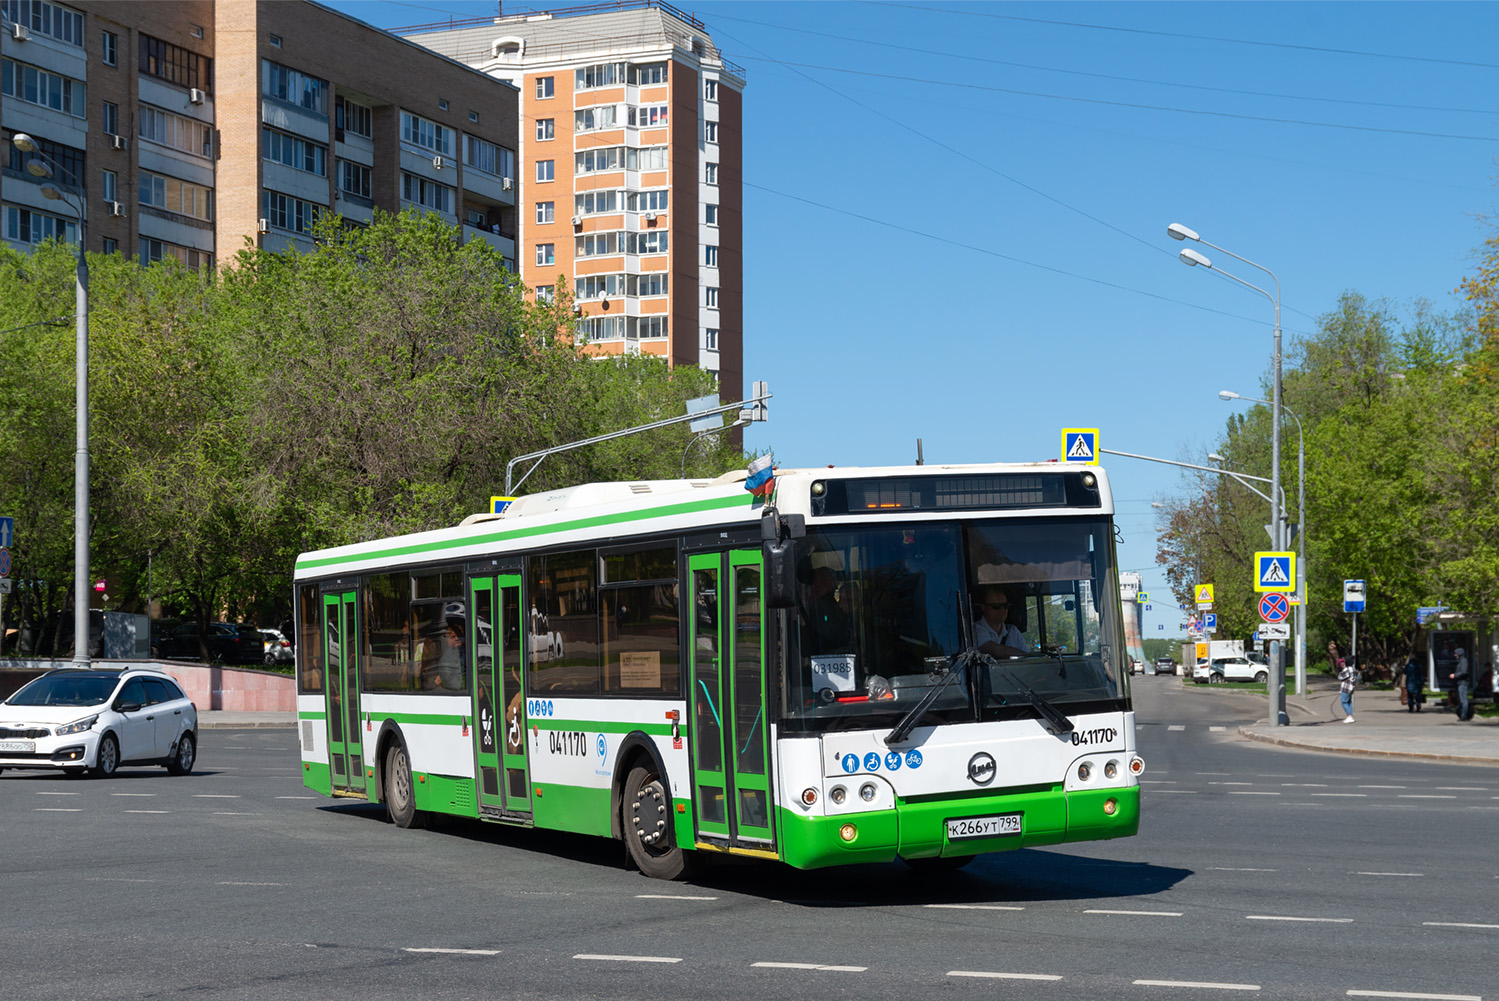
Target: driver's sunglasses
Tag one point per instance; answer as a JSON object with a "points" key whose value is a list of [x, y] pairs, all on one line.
{"points": [[995, 604]]}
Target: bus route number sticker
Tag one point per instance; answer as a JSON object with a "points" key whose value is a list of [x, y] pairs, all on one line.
{"points": [[569, 742]]}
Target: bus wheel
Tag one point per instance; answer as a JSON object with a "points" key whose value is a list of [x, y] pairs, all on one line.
{"points": [[400, 794], [942, 863], [647, 825]]}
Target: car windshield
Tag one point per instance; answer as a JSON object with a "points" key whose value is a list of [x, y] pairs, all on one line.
{"points": [[883, 613], [65, 690]]}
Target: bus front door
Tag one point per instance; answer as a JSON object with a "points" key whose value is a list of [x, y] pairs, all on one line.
{"points": [[730, 737], [499, 702], [345, 745]]}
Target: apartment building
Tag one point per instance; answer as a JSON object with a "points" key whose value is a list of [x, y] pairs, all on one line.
{"points": [[631, 149], [183, 128]]}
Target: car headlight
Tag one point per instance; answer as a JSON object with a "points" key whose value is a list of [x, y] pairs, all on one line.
{"points": [[79, 727]]}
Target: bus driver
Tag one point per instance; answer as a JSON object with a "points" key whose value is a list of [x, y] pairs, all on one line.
{"points": [[992, 633]]}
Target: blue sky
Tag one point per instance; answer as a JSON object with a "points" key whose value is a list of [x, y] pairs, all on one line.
{"points": [[955, 213]]}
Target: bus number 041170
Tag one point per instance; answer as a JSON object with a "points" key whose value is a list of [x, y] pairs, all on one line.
{"points": [[567, 742]]}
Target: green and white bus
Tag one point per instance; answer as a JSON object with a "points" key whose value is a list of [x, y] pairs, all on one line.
{"points": [[698, 671]]}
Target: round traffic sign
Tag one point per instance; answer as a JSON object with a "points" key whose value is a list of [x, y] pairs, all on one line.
{"points": [[1274, 607], [4, 562]]}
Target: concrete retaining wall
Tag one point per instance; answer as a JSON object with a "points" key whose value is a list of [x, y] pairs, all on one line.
{"points": [[210, 686]]}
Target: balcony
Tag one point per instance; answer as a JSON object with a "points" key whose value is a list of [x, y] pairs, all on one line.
{"points": [[504, 244]]}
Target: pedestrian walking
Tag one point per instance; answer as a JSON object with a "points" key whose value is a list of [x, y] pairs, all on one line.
{"points": [[1412, 686], [1346, 677], [1462, 677]]}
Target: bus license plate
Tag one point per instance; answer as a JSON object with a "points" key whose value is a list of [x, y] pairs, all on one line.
{"points": [[21, 746], [983, 827]]}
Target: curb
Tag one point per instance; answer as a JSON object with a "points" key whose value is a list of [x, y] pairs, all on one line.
{"points": [[245, 725], [1460, 759]]}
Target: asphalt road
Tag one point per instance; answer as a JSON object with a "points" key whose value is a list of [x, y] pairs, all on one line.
{"points": [[1258, 871]]}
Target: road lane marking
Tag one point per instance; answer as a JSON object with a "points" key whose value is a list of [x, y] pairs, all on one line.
{"points": [[1224, 868], [629, 959], [58, 794], [230, 813], [1198, 983], [1220, 774], [668, 896], [57, 809], [1423, 795], [1230, 783], [1305, 785], [1167, 782], [446, 952], [1141, 914], [148, 811], [1182, 791], [215, 795], [1456, 924], [1426, 997], [296, 797], [1381, 787], [1461, 788], [973, 907], [1217, 729], [1003, 976], [233, 883], [1287, 917], [1245, 792], [1387, 874], [810, 966], [147, 794], [1176, 726], [1361, 795]]}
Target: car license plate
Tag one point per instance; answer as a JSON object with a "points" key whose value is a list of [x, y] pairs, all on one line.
{"points": [[983, 827], [14, 746]]}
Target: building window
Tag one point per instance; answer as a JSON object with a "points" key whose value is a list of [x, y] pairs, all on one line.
{"points": [[546, 253], [592, 160], [544, 87], [546, 128], [648, 158], [288, 213], [546, 211], [111, 118], [601, 328], [710, 339], [649, 115], [294, 87], [428, 194], [30, 226], [599, 75], [646, 285], [546, 170], [647, 201], [591, 202], [37, 86], [605, 116], [442, 105], [710, 131], [275, 41], [186, 134], [653, 242], [488, 157], [545, 293], [426, 134], [710, 173], [647, 74], [45, 19], [351, 117], [173, 195], [710, 90], [473, 116], [109, 189], [646, 328], [295, 152], [710, 256], [175, 64], [68, 161], [110, 49], [354, 179], [710, 297], [711, 214], [151, 251], [111, 246]]}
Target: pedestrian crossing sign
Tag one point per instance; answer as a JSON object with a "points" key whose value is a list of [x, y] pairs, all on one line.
{"points": [[1275, 571], [1080, 445], [1204, 596]]}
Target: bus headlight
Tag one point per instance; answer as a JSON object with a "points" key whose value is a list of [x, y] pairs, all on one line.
{"points": [[838, 794], [809, 796], [867, 792], [1110, 769], [1084, 772], [1110, 806], [848, 832]]}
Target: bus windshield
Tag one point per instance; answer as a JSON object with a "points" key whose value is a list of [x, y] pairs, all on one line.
{"points": [[886, 612]]}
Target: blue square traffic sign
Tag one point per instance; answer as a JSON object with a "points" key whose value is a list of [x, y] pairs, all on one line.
{"points": [[1275, 571]]}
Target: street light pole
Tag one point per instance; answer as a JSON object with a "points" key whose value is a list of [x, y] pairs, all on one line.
{"points": [[44, 167], [1192, 258], [1228, 394]]}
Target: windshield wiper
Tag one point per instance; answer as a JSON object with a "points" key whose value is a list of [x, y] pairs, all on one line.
{"points": [[908, 722], [1060, 724]]}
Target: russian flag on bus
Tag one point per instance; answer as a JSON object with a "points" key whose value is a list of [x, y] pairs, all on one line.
{"points": [[762, 478]]}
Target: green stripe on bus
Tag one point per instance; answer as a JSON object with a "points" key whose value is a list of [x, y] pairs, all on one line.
{"points": [[419, 548], [654, 729], [421, 719], [309, 714]]}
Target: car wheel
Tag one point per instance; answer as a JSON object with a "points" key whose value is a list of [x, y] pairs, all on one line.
{"points": [[108, 759], [270, 658], [1261, 677], [400, 793], [647, 823], [1215, 679], [187, 754]]}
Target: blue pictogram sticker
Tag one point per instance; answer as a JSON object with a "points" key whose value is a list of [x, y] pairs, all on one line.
{"points": [[892, 761], [872, 761], [603, 746], [850, 763], [913, 759]]}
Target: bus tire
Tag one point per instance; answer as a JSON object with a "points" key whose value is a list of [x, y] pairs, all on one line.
{"points": [[400, 793], [646, 823]]}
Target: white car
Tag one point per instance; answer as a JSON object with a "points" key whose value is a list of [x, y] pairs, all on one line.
{"points": [[94, 721], [1238, 669], [277, 647]]}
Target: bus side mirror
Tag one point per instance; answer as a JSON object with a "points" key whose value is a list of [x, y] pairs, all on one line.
{"points": [[778, 531]]}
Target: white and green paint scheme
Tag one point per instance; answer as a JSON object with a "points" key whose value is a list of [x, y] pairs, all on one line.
{"points": [[699, 672]]}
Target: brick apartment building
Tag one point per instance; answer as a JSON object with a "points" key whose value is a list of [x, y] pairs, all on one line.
{"points": [[184, 127], [631, 150]]}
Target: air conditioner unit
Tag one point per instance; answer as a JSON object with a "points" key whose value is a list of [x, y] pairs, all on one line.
{"points": [[265, 225], [507, 184], [19, 32], [577, 220], [439, 162], [119, 142], [116, 209], [196, 96], [650, 217]]}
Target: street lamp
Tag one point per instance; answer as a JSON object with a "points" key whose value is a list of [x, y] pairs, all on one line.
{"points": [[1226, 395], [44, 167], [1192, 258]]}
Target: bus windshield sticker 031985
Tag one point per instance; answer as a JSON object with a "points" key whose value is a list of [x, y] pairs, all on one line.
{"points": [[1103, 735]]}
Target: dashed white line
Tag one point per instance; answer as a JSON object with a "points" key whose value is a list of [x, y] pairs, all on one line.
{"points": [[1215, 773], [296, 797], [1230, 783], [1387, 874], [1140, 914], [1288, 917], [1359, 795], [1456, 924], [1246, 792], [1192, 792], [230, 813], [57, 809], [668, 896], [1223, 868], [1305, 785], [1199, 984], [810, 966], [137, 794], [1176, 726], [1424, 997], [1423, 795], [214, 795], [58, 794], [628, 959], [1381, 787], [148, 811], [1461, 788], [447, 952], [1003, 976], [231, 883], [1166, 782], [973, 907]]}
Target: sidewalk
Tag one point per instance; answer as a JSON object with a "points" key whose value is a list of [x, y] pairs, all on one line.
{"points": [[1382, 727], [229, 719]]}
